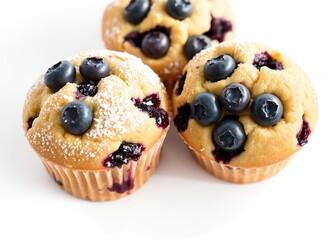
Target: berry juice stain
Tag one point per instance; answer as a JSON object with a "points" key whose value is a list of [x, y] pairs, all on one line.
{"points": [[124, 154], [125, 186], [303, 134], [151, 105], [266, 60]]}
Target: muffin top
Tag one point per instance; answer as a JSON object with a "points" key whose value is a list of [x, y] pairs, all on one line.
{"points": [[165, 34], [93, 110], [244, 104]]}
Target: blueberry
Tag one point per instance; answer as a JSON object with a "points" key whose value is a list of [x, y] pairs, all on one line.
{"points": [[59, 74], [235, 97], [93, 69], [88, 90], [179, 9], [195, 44], [155, 44], [229, 135], [136, 11], [266, 110], [219, 68], [76, 117], [206, 109]]}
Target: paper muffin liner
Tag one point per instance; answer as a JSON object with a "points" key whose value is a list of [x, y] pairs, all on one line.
{"points": [[238, 174], [107, 184]]}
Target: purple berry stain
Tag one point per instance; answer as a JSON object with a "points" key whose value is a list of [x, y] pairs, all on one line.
{"points": [[135, 38], [266, 60], [219, 28], [126, 185], [225, 156], [151, 105], [181, 82], [124, 154], [182, 118], [303, 134]]}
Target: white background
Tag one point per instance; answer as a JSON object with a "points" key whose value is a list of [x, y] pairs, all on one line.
{"points": [[181, 201]]}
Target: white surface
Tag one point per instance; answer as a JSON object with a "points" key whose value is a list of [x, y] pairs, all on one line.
{"points": [[181, 201]]}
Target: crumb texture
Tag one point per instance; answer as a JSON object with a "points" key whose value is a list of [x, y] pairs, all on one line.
{"points": [[115, 117], [264, 145], [115, 28]]}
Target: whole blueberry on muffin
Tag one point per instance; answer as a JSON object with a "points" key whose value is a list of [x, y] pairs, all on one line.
{"points": [[166, 34], [86, 118], [244, 109]]}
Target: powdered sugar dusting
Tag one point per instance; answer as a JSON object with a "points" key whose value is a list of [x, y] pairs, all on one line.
{"points": [[139, 74], [112, 29], [34, 87], [173, 67], [115, 116], [115, 113]]}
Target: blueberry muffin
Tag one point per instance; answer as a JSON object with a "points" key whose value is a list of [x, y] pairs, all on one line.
{"points": [[166, 34], [86, 118], [244, 110]]}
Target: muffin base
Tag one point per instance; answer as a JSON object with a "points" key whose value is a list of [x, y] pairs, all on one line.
{"points": [[107, 184], [236, 174]]}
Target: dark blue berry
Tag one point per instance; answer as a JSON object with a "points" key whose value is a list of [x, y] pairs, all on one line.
{"points": [[155, 44], [59, 74], [229, 135], [206, 109], [179, 9], [219, 68], [266, 60], [136, 11], [93, 69], [135, 38], [88, 89], [235, 97], [195, 44], [266, 110], [76, 117], [124, 154]]}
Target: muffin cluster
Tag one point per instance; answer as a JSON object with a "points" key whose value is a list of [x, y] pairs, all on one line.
{"points": [[98, 120]]}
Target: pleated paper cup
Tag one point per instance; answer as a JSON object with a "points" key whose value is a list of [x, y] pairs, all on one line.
{"points": [[107, 184], [238, 174]]}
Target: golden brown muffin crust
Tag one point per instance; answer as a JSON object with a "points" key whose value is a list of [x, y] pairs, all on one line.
{"points": [[264, 145], [115, 27], [115, 118]]}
